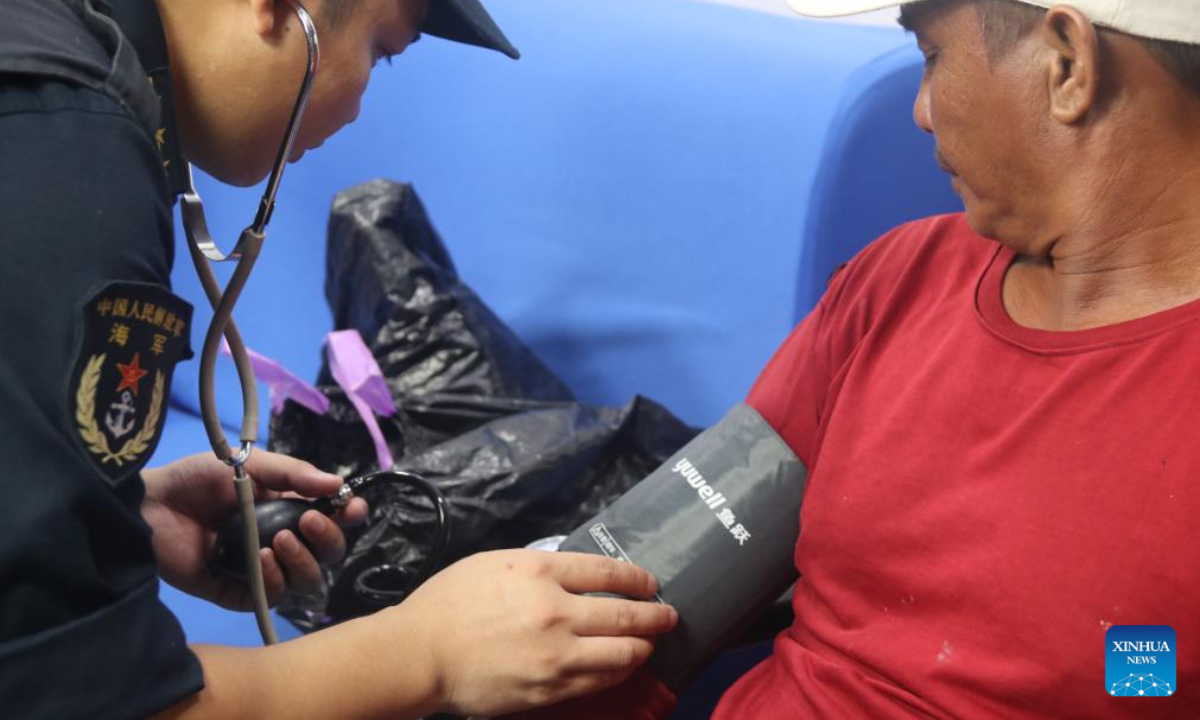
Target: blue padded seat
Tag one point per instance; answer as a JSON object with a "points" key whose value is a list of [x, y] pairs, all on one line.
{"points": [[876, 172]]}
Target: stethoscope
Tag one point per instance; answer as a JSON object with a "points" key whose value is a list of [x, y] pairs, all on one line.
{"points": [[204, 250], [374, 585]]}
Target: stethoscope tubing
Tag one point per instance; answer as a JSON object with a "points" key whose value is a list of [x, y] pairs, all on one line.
{"points": [[204, 250]]}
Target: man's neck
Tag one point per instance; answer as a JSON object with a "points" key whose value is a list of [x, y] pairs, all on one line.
{"points": [[1131, 249]]}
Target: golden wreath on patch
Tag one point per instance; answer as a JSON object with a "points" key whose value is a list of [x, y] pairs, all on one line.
{"points": [[132, 335]]}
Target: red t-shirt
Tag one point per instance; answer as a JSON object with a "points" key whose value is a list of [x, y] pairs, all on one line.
{"points": [[985, 500]]}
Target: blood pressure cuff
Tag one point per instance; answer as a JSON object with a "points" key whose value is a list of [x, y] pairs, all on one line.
{"points": [[717, 525]]}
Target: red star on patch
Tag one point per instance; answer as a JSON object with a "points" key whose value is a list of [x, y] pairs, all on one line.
{"points": [[131, 374]]}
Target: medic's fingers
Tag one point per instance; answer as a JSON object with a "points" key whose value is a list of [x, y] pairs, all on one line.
{"points": [[355, 513], [273, 579], [612, 617], [609, 654], [583, 573], [303, 572], [282, 473], [324, 536]]}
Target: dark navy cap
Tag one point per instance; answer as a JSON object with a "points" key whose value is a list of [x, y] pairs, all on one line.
{"points": [[466, 21]]}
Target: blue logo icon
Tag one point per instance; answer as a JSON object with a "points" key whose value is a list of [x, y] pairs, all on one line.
{"points": [[1139, 661]]}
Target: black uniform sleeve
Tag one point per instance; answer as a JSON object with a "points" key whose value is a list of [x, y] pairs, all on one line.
{"points": [[83, 204]]}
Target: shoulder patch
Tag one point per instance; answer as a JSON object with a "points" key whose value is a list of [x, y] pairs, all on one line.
{"points": [[131, 336]]}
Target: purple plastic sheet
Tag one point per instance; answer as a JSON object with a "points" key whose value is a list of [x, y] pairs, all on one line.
{"points": [[282, 384], [354, 368]]}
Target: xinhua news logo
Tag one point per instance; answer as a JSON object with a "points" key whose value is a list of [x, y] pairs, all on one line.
{"points": [[1139, 661]]}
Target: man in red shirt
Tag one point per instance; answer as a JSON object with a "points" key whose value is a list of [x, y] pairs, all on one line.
{"points": [[999, 409]]}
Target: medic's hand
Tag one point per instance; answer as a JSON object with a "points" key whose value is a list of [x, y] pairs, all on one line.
{"points": [[188, 501], [505, 631]]}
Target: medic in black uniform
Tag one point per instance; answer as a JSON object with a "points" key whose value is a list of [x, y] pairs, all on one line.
{"points": [[90, 333]]}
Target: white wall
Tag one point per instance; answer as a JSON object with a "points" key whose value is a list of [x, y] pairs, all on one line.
{"points": [[879, 17]]}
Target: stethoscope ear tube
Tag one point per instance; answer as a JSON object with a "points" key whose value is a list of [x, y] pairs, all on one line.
{"points": [[203, 249], [222, 324], [267, 205]]}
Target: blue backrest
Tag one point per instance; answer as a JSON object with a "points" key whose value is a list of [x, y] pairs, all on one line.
{"points": [[876, 172], [631, 196]]}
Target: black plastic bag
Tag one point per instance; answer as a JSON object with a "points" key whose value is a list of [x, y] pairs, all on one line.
{"points": [[478, 414]]}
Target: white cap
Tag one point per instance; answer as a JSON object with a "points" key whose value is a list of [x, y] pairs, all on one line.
{"points": [[1177, 20]]}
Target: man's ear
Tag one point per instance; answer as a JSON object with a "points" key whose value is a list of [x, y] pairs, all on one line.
{"points": [[1073, 71]]}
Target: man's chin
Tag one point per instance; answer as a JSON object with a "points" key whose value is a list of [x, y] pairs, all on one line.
{"points": [[978, 217], [235, 174], [1005, 228], [980, 223], [298, 151]]}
